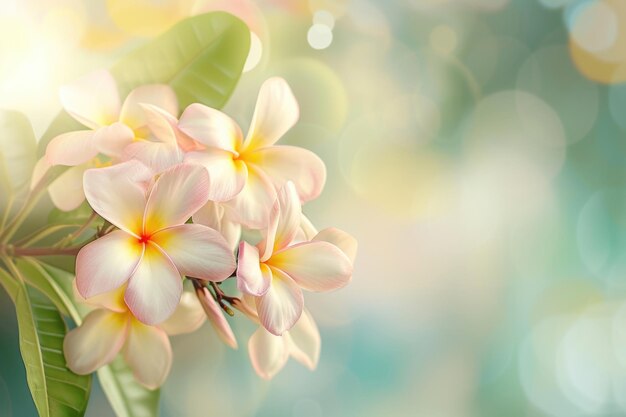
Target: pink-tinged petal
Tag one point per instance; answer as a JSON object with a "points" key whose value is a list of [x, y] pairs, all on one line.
{"points": [[268, 234], [155, 287], [187, 318], [213, 215], [290, 163], [315, 266], [306, 232], [41, 168], [176, 196], [158, 156], [72, 148], [160, 95], [66, 192], [228, 176], [116, 194], [93, 99], [253, 277], [112, 300], [96, 341], [216, 317], [304, 341], [107, 263], [148, 353], [347, 243], [275, 113], [160, 123], [252, 206], [210, 127], [197, 251], [113, 139], [290, 214], [268, 353], [281, 306]]}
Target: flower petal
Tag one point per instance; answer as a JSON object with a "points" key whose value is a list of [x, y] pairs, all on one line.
{"points": [[96, 341], [66, 192], [177, 194], [339, 238], [93, 99], [213, 215], [112, 300], [187, 318], [290, 215], [155, 287], [197, 251], [116, 194], [304, 341], [252, 206], [290, 163], [72, 148], [228, 176], [113, 139], [315, 266], [106, 263], [275, 113], [268, 353], [158, 156], [210, 127], [216, 317], [161, 95], [148, 353], [306, 231], [253, 277], [160, 123], [281, 306]]}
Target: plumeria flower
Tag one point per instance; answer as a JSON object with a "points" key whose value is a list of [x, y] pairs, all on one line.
{"points": [[112, 328], [154, 246], [276, 270], [247, 172], [93, 100], [269, 353], [216, 317]]}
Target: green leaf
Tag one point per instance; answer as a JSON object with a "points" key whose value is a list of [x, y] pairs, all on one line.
{"points": [[10, 285], [56, 390], [128, 398], [200, 57], [18, 155]]}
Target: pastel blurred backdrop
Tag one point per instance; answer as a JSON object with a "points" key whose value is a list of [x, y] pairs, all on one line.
{"points": [[477, 151]]}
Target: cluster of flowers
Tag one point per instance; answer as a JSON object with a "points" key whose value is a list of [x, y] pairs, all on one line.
{"points": [[147, 173]]}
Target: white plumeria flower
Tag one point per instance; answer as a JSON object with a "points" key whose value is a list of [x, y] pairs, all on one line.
{"points": [[112, 328], [269, 353], [94, 101], [247, 173], [277, 269], [154, 246]]}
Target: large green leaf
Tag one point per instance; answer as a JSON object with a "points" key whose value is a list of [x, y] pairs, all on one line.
{"points": [[127, 397], [200, 57], [56, 390]]}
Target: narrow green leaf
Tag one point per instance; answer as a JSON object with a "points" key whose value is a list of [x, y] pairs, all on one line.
{"points": [[18, 153], [56, 390], [128, 398], [10, 285], [200, 57]]}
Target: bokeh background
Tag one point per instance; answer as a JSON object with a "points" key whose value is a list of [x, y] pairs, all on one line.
{"points": [[476, 149]]}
